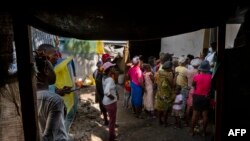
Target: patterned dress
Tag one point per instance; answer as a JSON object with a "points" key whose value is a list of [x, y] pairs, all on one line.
{"points": [[148, 98], [164, 95]]}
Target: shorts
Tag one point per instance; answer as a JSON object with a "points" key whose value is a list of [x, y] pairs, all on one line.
{"points": [[200, 103]]}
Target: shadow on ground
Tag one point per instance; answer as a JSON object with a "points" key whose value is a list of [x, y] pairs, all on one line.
{"points": [[88, 125]]}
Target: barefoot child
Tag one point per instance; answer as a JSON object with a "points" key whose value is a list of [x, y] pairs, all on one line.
{"points": [[127, 94], [177, 106]]}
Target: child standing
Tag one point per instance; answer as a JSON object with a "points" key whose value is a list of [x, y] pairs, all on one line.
{"points": [[127, 88], [127, 94], [177, 106]]}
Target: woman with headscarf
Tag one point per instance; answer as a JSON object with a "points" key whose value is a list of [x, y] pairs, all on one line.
{"points": [[190, 73], [148, 97], [181, 73], [181, 80], [164, 96], [136, 82]]}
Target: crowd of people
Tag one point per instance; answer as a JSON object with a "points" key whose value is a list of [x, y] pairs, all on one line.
{"points": [[172, 86]]}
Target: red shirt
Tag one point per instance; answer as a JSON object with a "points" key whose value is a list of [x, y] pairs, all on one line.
{"points": [[203, 83], [127, 85]]}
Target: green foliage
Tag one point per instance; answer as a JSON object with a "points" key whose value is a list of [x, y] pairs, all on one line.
{"points": [[76, 46]]}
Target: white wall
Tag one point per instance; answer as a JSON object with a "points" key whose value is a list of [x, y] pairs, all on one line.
{"points": [[192, 43], [231, 32], [188, 43]]}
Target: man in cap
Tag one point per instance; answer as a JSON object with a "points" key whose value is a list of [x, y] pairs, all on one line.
{"points": [[97, 75]]}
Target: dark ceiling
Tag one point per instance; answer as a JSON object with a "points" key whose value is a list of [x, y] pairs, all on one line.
{"points": [[133, 22]]}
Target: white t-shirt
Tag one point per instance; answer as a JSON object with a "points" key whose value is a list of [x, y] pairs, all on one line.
{"points": [[190, 67], [178, 98], [210, 57], [109, 88]]}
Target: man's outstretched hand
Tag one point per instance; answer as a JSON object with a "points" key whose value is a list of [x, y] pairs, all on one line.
{"points": [[64, 90]]}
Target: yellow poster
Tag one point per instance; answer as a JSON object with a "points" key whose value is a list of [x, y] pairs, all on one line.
{"points": [[99, 47]]}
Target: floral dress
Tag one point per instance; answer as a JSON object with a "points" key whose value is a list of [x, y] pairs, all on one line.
{"points": [[164, 95]]}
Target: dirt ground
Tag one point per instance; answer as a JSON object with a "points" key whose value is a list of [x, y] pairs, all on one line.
{"points": [[88, 124]]}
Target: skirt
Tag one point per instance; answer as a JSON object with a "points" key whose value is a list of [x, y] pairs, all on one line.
{"points": [[136, 93]]}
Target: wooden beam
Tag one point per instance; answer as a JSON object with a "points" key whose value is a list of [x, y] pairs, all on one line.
{"points": [[219, 83], [26, 77], [206, 38]]}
